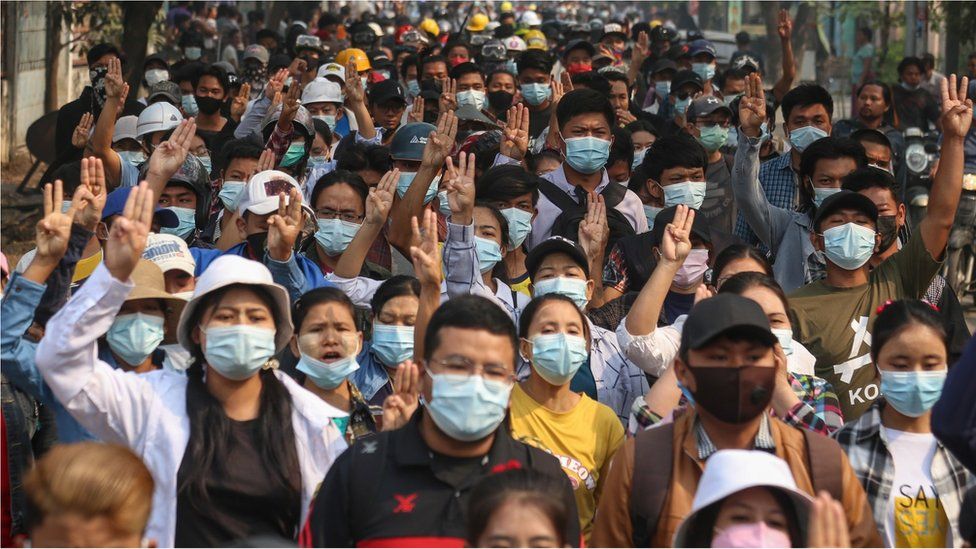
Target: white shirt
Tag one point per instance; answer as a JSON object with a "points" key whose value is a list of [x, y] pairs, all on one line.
{"points": [[147, 412], [915, 513]]}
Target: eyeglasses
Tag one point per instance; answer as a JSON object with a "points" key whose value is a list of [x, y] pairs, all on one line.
{"points": [[347, 216], [706, 123], [462, 368]]}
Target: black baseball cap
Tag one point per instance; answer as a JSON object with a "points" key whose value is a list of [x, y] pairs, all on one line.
{"points": [[706, 105], [845, 200], [684, 77], [724, 313], [556, 244], [664, 65], [386, 91], [579, 45], [699, 227]]}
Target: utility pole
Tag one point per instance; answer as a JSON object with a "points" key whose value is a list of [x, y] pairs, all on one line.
{"points": [[910, 20]]}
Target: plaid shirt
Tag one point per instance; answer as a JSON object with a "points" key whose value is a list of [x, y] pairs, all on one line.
{"points": [[818, 409], [866, 446], [779, 183], [763, 441]]}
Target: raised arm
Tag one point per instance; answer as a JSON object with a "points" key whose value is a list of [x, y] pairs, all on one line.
{"points": [[427, 267], [356, 100], [113, 405], [169, 156], [116, 91], [957, 116], [675, 247], [593, 235], [769, 222], [638, 55], [251, 121], [785, 31], [411, 204]]}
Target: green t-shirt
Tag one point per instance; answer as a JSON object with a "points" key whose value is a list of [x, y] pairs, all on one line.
{"points": [[835, 323]]}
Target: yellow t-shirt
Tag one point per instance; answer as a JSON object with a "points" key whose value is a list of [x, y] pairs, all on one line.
{"points": [[583, 440]]}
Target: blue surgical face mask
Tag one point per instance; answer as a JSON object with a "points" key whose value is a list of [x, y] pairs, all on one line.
{"points": [[188, 222], [413, 87], [766, 135], [467, 408], [443, 205], [801, 138], [519, 225], [650, 212], [535, 94], [573, 288], [663, 88], [912, 393], [392, 344], [638, 158], [133, 157], [189, 104], [557, 357], [733, 139], [406, 179], [329, 119], [706, 71], [821, 193], [317, 162], [135, 336], [230, 193], [192, 53], [238, 352], [689, 193], [713, 137], [587, 154], [334, 235], [489, 253], [293, 155], [681, 105], [849, 246], [471, 97], [327, 375], [785, 337]]}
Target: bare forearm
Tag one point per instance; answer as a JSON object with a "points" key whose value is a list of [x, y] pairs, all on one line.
{"points": [[409, 206], [365, 121], [944, 197], [40, 269], [646, 309], [101, 140], [789, 72], [351, 261], [430, 299]]}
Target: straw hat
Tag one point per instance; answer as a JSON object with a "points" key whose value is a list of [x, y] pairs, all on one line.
{"points": [[151, 284]]}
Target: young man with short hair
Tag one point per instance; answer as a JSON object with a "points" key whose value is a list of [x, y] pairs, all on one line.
{"points": [[534, 80], [728, 360], [410, 487]]}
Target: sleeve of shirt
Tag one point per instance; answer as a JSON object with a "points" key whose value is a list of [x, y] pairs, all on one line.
{"points": [[818, 410], [129, 173], [113, 405], [461, 263], [251, 121], [501, 160], [913, 265], [359, 289], [21, 297], [288, 274], [767, 221], [652, 352], [954, 416], [376, 140], [278, 143]]}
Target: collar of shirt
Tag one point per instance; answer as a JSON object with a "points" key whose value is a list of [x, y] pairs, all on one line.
{"points": [[558, 178], [764, 439]]}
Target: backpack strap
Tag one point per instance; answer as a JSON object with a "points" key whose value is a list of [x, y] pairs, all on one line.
{"points": [[613, 194], [653, 460], [555, 195], [823, 455]]}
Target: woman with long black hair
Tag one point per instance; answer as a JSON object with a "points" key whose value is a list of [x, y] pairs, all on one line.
{"points": [[236, 448]]}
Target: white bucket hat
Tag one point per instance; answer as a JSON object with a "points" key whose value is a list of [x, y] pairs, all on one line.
{"points": [[228, 270], [321, 90], [731, 471]]}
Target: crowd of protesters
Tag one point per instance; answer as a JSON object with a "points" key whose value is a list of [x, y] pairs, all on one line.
{"points": [[549, 275]]}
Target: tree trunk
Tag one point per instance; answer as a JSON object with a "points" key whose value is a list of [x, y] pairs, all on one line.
{"points": [[55, 25], [137, 19]]}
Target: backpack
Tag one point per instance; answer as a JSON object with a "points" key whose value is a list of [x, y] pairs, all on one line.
{"points": [[571, 214], [650, 483]]}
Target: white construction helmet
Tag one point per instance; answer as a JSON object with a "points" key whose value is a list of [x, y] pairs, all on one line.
{"points": [[514, 43], [158, 117], [531, 19]]}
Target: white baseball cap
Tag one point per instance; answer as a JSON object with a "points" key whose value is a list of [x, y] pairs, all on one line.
{"points": [[225, 271], [321, 90], [169, 252], [332, 69], [125, 128], [730, 471], [260, 195]]}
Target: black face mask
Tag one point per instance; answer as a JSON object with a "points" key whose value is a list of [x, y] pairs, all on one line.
{"points": [[257, 242], [311, 62], [888, 229], [500, 100], [97, 76], [733, 395], [208, 105], [430, 117]]}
